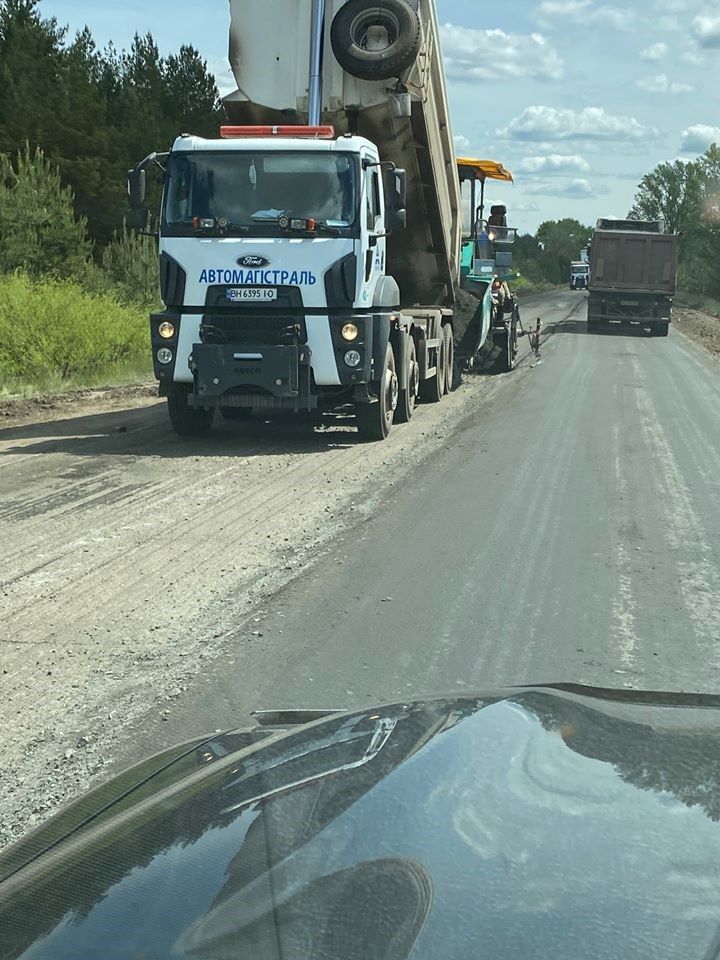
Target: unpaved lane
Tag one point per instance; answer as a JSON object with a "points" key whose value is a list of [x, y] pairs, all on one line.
{"points": [[130, 557]]}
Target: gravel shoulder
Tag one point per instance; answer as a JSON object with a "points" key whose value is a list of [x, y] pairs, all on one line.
{"points": [[131, 557], [701, 327]]}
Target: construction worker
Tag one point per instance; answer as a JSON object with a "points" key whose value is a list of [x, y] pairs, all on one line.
{"points": [[500, 294]]}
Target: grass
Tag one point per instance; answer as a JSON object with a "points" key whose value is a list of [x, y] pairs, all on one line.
{"points": [[121, 375], [531, 288], [697, 301], [55, 336]]}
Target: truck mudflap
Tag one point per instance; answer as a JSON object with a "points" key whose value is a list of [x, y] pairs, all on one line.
{"points": [[228, 375]]}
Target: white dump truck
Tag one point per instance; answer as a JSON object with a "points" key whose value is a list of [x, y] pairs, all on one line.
{"points": [[310, 255]]}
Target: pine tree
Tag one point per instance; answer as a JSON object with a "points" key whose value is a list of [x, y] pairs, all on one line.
{"points": [[130, 263], [39, 232]]}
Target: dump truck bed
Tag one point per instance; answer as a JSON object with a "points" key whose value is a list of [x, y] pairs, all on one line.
{"points": [[411, 129], [633, 261]]}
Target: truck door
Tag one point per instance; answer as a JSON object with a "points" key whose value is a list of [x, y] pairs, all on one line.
{"points": [[373, 225]]}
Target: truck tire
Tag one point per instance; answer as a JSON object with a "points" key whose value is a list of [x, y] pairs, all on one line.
{"points": [[374, 420], [449, 345], [407, 398], [432, 389], [188, 421], [661, 329], [349, 38]]}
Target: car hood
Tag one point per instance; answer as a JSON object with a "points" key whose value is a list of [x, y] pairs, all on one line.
{"points": [[535, 822]]}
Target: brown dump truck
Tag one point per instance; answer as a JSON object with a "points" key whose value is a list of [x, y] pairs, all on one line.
{"points": [[633, 273]]}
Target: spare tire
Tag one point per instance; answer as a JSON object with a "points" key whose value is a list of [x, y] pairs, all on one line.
{"points": [[376, 39]]}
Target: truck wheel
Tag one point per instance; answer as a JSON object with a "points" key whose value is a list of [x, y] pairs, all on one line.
{"points": [[449, 345], [407, 398], [507, 353], [661, 329], [376, 39], [188, 421], [374, 420]]}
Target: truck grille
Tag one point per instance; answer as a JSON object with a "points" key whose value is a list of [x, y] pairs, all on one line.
{"points": [[276, 325], [248, 328]]}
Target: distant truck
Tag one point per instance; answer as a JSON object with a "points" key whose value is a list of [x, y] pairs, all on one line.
{"points": [[579, 271], [633, 274]]}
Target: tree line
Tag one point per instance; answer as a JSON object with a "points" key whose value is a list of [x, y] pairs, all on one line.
{"points": [[95, 113], [75, 284], [685, 194]]}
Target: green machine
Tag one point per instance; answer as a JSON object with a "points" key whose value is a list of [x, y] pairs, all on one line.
{"points": [[486, 257]]}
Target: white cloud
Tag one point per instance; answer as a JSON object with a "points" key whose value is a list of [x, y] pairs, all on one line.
{"points": [[655, 52], [690, 57], [540, 123], [577, 189], [461, 143], [706, 30], [661, 84], [554, 163], [525, 207], [697, 139], [472, 55], [584, 11]]}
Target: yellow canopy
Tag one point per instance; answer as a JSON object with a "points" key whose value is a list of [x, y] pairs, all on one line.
{"points": [[482, 170]]}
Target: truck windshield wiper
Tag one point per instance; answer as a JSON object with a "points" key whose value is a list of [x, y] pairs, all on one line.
{"points": [[325, 227]]}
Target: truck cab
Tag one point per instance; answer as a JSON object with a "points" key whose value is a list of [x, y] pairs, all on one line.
{"points": [[579, 273], [261, 237]]}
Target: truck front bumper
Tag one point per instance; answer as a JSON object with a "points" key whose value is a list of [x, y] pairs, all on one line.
{"points": [[229, 375]]}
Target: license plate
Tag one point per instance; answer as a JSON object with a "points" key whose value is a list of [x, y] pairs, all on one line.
{"points": [[237, 294]]}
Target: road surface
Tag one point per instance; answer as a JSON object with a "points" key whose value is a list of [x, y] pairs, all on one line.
{"points": [[563, 525]]}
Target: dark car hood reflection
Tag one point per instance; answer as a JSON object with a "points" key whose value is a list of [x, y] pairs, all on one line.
{"points": [[540, 823]]}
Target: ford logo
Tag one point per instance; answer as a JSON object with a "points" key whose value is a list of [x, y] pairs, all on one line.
{"points": [[253, 261]]}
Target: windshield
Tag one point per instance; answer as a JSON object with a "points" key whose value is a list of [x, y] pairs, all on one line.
{"points": [[337, 396], [252, 189]]}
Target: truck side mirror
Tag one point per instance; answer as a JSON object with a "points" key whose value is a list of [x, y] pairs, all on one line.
{"points": [[395, 189], [137, 179], [396, 219]]}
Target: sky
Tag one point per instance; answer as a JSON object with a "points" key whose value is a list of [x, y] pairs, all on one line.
{"points": [[578, 98]]}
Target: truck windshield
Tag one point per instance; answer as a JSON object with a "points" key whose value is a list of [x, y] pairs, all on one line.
{"points": [[251, 190]]}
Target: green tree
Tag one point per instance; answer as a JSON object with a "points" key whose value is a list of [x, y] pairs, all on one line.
{"points": [[527, 257], [30, 69], [670, 192], [39, 232], [95, 114], [130, 264], [190, 98], [561, 242]]}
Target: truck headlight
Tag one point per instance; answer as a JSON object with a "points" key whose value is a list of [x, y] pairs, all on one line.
{"points": [[352, 358], [349, 332], [166, 330], [164, 355]]}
